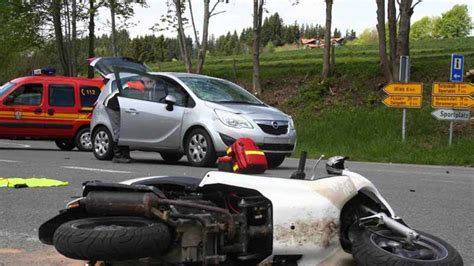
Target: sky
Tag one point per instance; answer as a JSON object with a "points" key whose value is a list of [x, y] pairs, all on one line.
{"points": [[347, 14]]}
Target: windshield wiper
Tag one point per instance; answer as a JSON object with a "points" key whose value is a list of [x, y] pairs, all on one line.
{"points": [[239, 102]]}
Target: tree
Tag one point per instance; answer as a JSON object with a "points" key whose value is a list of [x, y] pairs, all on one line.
{"points": [[272, 30], [92, 10], [384, 63], [56, 7], [423, 29], [202, 45], [399, 43], [119, 9], [454, 23], [257, 28], [20, 31], [113, 34], [327, 40]]}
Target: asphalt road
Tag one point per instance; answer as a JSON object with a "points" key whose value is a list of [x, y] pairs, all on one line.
{"points": [[436, 199]]}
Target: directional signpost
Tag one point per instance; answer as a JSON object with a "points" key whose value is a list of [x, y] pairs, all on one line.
{"points": [[451, 115], [457, 101], [454, 94], [405, 94]]}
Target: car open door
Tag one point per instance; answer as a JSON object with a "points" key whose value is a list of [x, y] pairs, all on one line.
{"points": [[148, 119], [105, 65]]}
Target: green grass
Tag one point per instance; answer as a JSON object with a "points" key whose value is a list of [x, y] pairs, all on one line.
{"points": [[366, 134], [344, 115]]}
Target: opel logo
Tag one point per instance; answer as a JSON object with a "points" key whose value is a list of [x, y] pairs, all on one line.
{"points": [[275, 124]]}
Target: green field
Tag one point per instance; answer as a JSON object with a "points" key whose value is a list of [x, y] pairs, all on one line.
{"points": [[345, 115]]}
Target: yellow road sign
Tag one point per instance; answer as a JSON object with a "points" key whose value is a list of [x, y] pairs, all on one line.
{"points": [[404, 88], [461, 102], [402, 101], [452, 88]]}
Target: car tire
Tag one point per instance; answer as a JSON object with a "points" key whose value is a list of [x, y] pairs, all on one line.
{"points": [[103, 144], [65, 144], [171, 157], [83, 139], [200, 149], [112, 238], [274, 160]]}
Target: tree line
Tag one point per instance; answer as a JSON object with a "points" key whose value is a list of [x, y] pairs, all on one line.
{"points": [[47, 33]]}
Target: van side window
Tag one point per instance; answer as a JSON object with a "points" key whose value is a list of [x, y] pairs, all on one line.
{"points": [[61, 95], [89, 95], [28, 94]]}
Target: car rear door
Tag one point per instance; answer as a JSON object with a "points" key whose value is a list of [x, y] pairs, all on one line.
{"points": [[22, 110], [145, 121]]}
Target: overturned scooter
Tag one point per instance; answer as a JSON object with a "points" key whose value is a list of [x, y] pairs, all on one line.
{"points": [[233, 219]]}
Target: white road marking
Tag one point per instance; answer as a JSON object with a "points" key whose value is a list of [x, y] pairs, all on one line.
{"points": [[8, 161], [96, 170], [16, 144]]}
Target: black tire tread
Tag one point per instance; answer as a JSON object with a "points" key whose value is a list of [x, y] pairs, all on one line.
{"points": [[365, 253], [122, 244], [275, 160], [65, 145]]}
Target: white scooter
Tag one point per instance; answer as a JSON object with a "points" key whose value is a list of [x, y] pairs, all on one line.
{"points": [[234, 219]]}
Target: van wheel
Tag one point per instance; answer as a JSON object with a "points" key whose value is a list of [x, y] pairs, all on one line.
{"points": [[65, 144], [200, 149], [83, 139], [103, 144]]}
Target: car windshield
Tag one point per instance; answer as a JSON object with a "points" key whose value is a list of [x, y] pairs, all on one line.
{"points": [[6, 87], [219, 91]]}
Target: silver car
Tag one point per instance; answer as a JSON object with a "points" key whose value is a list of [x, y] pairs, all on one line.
{"points": [[179, 114]]}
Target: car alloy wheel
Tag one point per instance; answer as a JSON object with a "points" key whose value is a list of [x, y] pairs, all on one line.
{"points": [[200, 149], [83, 139], [197, 148], [101, 143]]}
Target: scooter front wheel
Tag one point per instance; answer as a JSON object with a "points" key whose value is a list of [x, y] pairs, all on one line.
{"points": [[383, 247], [112, 238]]}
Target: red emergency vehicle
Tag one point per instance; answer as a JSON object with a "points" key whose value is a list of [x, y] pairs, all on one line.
{"points": [[43, 106]]}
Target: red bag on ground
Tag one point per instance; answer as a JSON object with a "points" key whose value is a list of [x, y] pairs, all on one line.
{"points": [[248, 158], [225, 164]]}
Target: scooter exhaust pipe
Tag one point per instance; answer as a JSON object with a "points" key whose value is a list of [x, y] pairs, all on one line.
{"points": [[113, 203]]}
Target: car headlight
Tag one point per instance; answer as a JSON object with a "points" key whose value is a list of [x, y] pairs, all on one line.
{"points": [[232, 120], [292, 123]]}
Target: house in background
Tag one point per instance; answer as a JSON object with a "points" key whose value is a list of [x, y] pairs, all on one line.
{"points": [[319, 43]]}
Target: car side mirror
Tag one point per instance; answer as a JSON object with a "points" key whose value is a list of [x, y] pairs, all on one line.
{"points": [[170, 100], [9, 100]]}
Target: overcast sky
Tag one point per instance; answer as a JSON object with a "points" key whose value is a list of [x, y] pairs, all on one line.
{"points": [[347, 14]]}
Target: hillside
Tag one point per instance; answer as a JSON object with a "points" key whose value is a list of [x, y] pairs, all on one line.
{"points": [[346, 113]]}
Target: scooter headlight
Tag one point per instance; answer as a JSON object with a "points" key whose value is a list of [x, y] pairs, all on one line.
{"points": [[232, 120]]}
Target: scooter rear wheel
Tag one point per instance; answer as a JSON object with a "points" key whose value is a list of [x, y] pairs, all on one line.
{"points": [[112, 238]]}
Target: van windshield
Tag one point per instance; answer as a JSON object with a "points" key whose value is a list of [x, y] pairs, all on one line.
{"points": [[6, 87], [219, 91]]}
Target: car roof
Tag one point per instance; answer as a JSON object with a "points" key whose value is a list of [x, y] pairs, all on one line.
{"points": [[57, 79]]}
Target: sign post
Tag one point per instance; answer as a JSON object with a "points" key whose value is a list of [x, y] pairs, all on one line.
{"points": [[404, 76], [403, 94], [457, 71], [454, 94]]}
